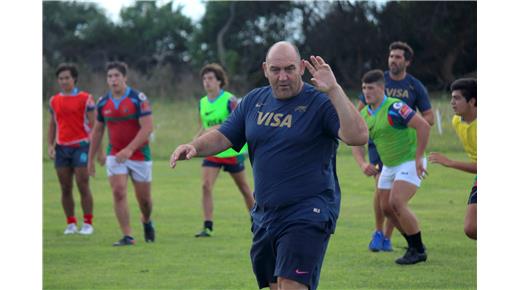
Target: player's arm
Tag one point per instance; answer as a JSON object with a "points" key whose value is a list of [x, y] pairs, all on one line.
{"points": [[101, 156], [95, 141], [359, 155], [51, 137], [145, 130], [423, 103], [428, 117], [208, 144], [423, 133], [352, 128], [438, 158]]}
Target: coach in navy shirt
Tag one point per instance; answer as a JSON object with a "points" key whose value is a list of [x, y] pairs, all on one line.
{"points": [[292, 129]]}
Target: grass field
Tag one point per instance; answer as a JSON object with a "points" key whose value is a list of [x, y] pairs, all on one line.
{"points": [[179, 261]]}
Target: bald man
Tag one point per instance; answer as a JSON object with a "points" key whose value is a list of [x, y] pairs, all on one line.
{"points": [[292, 129]]}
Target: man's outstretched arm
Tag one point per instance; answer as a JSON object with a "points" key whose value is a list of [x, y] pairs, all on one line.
{"points": [[208, 144]]}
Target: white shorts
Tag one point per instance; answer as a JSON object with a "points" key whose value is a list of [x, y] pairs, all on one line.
{"points": [[405, 171], [140, 171]]}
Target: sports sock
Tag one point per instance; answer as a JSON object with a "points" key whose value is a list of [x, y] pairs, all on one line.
{"points": [[416, 242], [407, 239], [208, 225], [71, 220], [87, 218]]}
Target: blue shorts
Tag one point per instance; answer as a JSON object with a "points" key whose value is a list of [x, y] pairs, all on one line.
{"points": [[231, 164], [473, 194], [293, 251], [373, 156], [70, 156]]}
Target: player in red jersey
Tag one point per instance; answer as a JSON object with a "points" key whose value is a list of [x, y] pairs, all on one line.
{"points": [[128, 116], [72, 118]]}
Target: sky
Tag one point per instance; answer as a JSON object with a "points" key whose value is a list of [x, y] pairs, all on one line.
{"points": [[192, 8]]}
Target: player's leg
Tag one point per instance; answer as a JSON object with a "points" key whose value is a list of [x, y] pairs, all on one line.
{"points": [[119, 184], [118, 178], [300, 249], [287, 284], [263, 257], [390, 219], [65, 172], [141, 175], [376, 244], [65, 177], [378, 211], [238, 173], [470, 221], [404, 188], [87, 201], [210, 171], [400, 194], [143, 193], [82, 181]]}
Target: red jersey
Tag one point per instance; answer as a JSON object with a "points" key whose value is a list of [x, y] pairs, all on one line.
{"points": [[70, 114], [121, 116]]}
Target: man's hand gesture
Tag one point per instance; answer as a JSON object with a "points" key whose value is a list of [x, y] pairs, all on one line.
{"points": [[183, 152], [322, 76]]}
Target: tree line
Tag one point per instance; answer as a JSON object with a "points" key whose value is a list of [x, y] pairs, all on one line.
{"points": [[166, 49]]}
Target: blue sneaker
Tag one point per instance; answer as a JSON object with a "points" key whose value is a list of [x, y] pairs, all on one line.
{"points": [[387, 245], [376, 244]]}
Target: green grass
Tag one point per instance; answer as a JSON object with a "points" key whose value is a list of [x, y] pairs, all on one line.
{"points": [[179, 261]]}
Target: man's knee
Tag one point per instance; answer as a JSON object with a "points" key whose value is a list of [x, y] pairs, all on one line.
{"points": [[287, 284], [470, 229], [396, 205], [207, 187], [119, 193]]}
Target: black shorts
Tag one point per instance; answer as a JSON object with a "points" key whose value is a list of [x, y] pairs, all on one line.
{"points": [[70, 156], [294, 252], [473, 194], [373, 156], [231, 164]]}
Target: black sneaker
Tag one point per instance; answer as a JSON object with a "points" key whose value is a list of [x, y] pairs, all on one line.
{"points": [[125, 241], [205, 233], [411, 257], [149, 232]]}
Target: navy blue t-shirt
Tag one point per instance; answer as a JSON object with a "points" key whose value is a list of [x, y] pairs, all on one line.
{"points": [[292, 149]]}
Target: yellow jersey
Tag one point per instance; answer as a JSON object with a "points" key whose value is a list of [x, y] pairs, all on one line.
{"points": [[467, 133]]}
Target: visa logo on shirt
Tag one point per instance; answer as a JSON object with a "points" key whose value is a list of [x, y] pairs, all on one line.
{"points": [[397, 93], [274, 120]]}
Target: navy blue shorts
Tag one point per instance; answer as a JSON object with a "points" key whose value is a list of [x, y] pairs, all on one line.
{"points": [[69, 156], [373, 156], [473, 194], [231, 164], [294, 251]]}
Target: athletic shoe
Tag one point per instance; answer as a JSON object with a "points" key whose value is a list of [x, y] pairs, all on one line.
{"points": [[376, 244], [149, 232], [71, 229], [86, 229], [125, 241], [387, 245], [205, 233], [411, 257]]}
